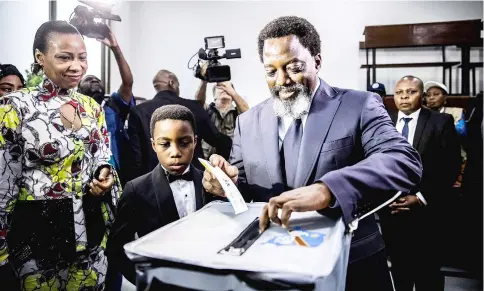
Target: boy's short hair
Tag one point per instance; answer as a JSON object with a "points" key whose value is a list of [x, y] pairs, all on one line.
{"points": [[175, 112]]}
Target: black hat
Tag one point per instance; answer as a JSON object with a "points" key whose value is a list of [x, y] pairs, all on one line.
{"points": [[377, 87]]}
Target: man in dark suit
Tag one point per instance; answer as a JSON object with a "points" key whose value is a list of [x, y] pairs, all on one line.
{"points": [[315, 147], [171, 191], [168, 88], [412, 225]]}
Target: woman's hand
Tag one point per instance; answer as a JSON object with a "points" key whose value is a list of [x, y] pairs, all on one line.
{"points": [[104, 184]]}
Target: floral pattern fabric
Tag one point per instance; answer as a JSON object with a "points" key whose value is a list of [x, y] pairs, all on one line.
{"points": [[41, 159]]}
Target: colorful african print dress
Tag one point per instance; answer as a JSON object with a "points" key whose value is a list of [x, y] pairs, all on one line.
{"points": [[51, 229]]}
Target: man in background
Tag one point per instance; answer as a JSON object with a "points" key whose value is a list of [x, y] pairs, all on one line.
{"points": [[116, 107], [167, 86], [412, 225], [222, 111]]}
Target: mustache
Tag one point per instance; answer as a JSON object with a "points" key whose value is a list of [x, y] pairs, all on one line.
{"points": [[298, 88]]}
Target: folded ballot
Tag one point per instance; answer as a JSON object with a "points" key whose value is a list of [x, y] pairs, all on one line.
{"points": [[231, 191], [314, 249]]}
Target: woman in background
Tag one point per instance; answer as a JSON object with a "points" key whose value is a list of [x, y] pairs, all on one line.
{"points": [[436, 98], [10, 79], [57, 188]]}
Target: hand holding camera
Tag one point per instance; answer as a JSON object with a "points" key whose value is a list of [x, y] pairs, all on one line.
{"points": [[227, 87], [83, 19], [213, 70], [110, 41]]}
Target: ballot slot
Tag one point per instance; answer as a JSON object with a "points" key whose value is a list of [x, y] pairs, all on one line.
{"points": [[243, 242]]}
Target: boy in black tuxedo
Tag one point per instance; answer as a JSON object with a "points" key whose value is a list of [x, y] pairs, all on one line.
{"points": [[171, 191]]}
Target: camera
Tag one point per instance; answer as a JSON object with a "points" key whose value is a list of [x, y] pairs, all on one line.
{"points": [[83, 19], [215, 72]]}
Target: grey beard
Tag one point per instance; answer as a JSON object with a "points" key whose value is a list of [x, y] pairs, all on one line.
{"points": [[295, 107]]}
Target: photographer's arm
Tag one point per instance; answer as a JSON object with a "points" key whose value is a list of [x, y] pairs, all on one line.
{"points": [[242, 105], [126, 88], [201, 93]]}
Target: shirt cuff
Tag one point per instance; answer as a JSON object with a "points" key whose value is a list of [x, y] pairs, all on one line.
{"points": [[117, 97], [421, 198]]}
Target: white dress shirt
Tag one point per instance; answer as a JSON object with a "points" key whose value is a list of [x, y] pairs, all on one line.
{"points": [[412, 125], [285, 122], [184, 195]]}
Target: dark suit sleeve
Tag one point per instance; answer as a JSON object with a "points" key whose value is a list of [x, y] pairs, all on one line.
{"points": [[213, 137], [135, 133], [450, 147], [236, 159], [123, 232], [390, 163], [446, 168]]}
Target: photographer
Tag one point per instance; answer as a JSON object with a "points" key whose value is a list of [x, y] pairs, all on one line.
{"points": [[222, 111], [117, 106]]}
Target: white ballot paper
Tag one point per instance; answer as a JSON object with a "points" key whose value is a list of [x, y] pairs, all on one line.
{"points": [[315, 249], [231, 191]]}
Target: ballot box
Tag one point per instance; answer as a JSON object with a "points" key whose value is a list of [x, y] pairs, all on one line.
{"points": [[215, 249]]}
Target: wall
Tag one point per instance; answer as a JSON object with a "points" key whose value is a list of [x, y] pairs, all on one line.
{"points": [[166, 34], [19, 20], [17, 30]]}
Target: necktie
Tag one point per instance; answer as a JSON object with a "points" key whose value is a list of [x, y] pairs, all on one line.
{"points": [[405, 126], [187, 177], [290, 146]]}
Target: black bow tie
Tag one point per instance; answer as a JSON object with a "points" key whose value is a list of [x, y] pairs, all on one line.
{"points": [[187, 177]]}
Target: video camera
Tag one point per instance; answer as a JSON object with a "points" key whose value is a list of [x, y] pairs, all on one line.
{"points": [[83, 19], [215, 72]]}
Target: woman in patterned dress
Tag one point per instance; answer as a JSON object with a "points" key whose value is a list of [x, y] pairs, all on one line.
{"points": [[57, 188]]}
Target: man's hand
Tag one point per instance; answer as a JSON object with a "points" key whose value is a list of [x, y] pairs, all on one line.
{"points": [[210, 183], [104, 184], [227, 87], [309, 198], [110, 41], [203, 70], [405, 204]]}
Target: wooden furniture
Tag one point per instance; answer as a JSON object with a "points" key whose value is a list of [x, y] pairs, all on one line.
{"points": [[463, 34]]}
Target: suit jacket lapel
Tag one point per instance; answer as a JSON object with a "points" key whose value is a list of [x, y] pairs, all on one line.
{"points": [[164, 196], [423, 117], [269, 136], [197, 183], [321, 114]]}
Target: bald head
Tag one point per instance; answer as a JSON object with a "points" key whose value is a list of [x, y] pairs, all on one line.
{"points": [[408, 94], [410, 78], [165, 80]]}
